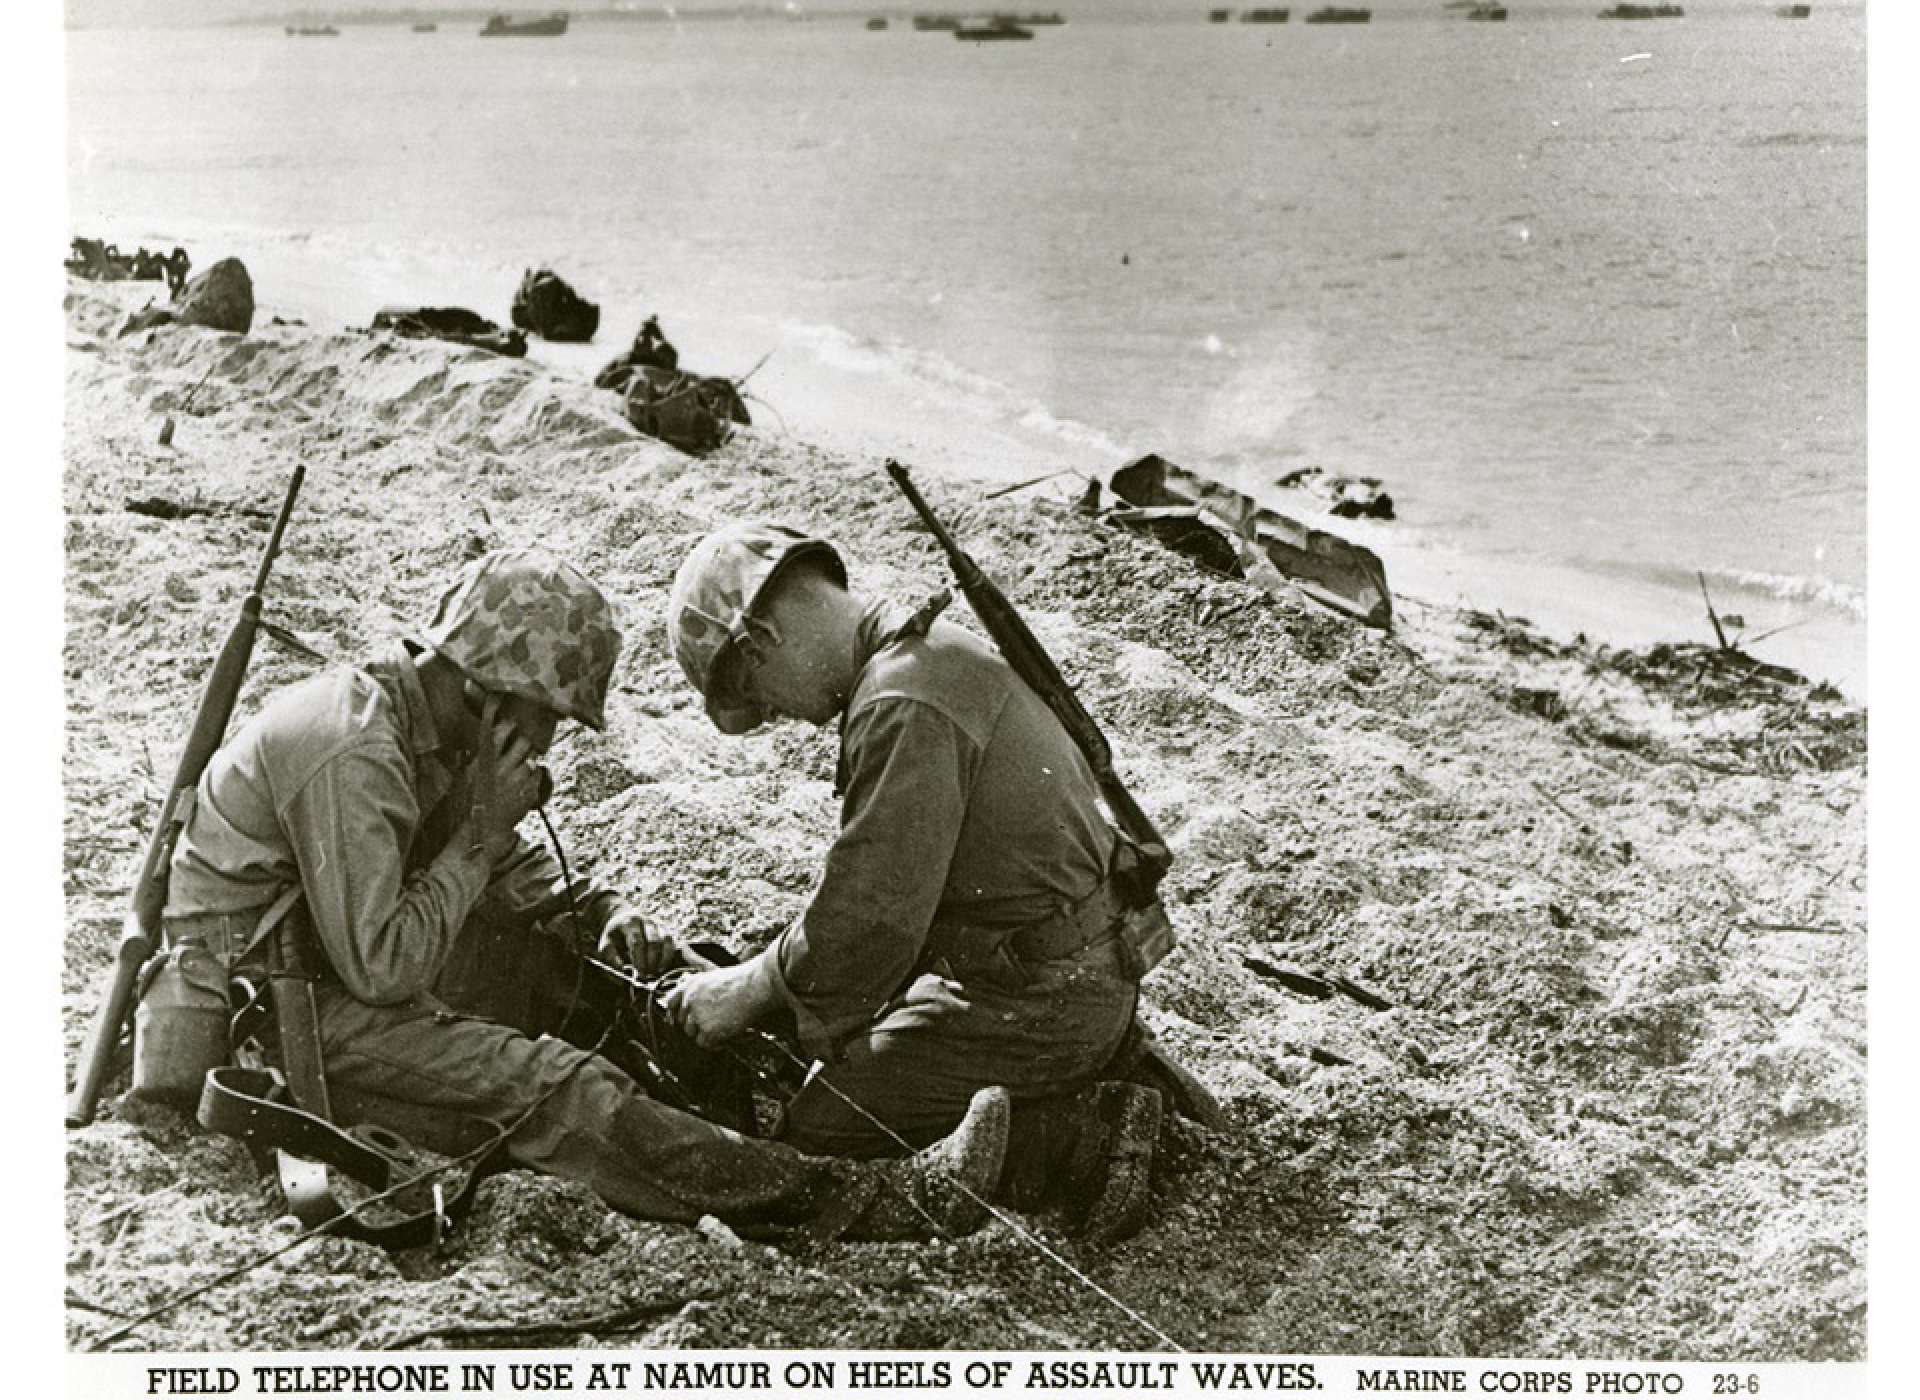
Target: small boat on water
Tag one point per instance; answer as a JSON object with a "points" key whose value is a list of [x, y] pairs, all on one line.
{"points": [[1219, 16], [1334, 14], [1643, 12], [1488, 12], [426, 28], [1265, 16], [1795, 12], [503, 27], [312, 31], [876, 23], [992, 29]]}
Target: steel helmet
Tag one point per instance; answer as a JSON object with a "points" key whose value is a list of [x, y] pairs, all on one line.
{"points": [[522, 622], [715, 591]]}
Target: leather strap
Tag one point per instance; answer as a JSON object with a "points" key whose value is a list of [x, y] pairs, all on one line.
{"points": [[252, 1105]]}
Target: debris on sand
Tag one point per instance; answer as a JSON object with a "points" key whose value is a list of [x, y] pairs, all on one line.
{"points": [[454, 323], [104, 262], [694, 412], [1723, 708], [1349, 497], [547, 307], [650, 350]]}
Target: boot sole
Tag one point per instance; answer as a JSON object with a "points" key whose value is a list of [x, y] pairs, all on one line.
{"points": [[1121, 1209]]}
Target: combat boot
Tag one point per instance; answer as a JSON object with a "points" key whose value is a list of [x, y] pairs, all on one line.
{"points": [[1088, 1155], [941, 1191]]}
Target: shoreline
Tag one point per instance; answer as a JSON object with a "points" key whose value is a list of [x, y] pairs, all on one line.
{"points": [[859, 400]]}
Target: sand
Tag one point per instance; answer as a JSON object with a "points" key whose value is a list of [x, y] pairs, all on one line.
{"points": [[1616, 1106]]}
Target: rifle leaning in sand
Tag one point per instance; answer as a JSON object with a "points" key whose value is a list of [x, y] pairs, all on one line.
{"points": [[141, 935], [1022, 650]]}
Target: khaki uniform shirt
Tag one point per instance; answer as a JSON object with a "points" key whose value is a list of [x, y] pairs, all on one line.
{"points": [[964, 803], [343, 784]]}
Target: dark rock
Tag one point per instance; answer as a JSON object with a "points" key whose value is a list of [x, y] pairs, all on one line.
{"points": [[548, 307], [220, 298]]}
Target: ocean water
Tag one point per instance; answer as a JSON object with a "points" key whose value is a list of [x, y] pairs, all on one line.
{"points": [[1590, 298]]}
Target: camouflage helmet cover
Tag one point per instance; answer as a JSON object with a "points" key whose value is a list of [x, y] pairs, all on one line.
{"points": [[713, 595], [522, 622]]}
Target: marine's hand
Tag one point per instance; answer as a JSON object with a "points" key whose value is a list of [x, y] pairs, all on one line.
{"points": [[626, 941], [717, 1005], [517, 784]]}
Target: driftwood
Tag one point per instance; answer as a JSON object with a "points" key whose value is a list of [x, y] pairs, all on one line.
{"points": [[161, 508], [1319, 986], [453, 323]]}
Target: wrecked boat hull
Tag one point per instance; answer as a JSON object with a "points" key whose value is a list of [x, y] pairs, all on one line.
{"points": [[1274, 550]]}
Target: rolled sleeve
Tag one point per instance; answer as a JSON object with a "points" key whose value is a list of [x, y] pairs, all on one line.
{"points": [[350, 826], [909, 768]]}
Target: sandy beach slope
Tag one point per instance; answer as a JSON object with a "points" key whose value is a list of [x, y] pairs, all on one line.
{"points": [[1616, 1103]]}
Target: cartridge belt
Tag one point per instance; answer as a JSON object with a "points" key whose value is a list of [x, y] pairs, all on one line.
{"points": [[236, 937], [973, 948]]}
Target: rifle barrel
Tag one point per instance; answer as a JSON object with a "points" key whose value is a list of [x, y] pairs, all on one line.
{"points": [[279, 529]]}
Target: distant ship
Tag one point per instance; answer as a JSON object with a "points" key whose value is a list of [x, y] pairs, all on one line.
{"points": [[501, 27], [1643, 12], [1265, 16], [1333, 14], [1795, 12], [876, 23], [1488, 12], [313, 31], [992, 29], [1219, 16], [425, 28]]}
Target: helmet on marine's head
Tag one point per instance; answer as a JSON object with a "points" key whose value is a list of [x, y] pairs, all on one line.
{"points": [[522, 622], [714, 595]]}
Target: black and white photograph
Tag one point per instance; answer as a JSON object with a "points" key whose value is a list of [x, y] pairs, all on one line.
{"points": [[1133, 696]]}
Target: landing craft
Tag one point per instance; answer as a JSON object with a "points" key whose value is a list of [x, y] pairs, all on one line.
{"points": [[992, 29], [504, 27]]}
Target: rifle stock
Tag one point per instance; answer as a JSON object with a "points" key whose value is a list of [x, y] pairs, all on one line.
{"points": [[141, 934], [1033, 665]]}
